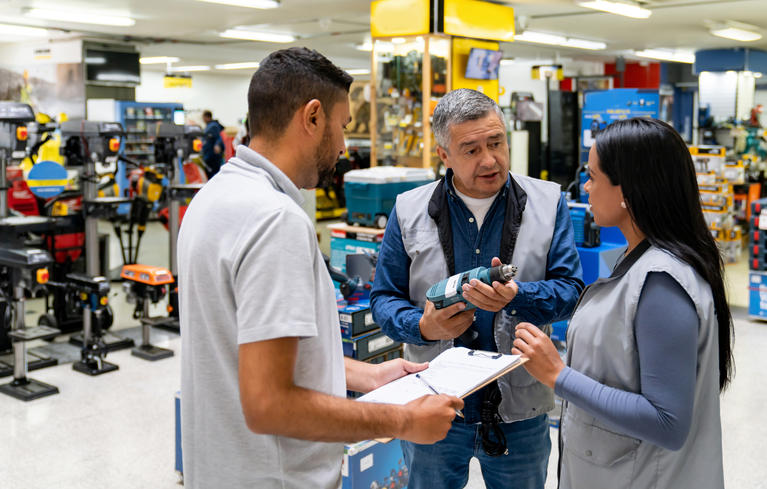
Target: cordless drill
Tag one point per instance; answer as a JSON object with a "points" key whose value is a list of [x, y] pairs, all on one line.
{"points": [[450, 290]]}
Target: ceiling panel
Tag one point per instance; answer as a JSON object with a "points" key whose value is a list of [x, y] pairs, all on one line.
{"points": [[189, 28]]}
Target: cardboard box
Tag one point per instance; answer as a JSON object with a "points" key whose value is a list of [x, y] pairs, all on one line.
{"points": [[355, 319], [385, 357], [369, 345], [757, 304], [374, 465]]}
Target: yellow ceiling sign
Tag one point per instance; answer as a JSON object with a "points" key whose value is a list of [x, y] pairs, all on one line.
{"points": [[479, 19], [177, 81], [399, 17]]}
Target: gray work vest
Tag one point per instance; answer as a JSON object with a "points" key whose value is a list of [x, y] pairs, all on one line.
{"points": [[523, 396], [601, 344]]}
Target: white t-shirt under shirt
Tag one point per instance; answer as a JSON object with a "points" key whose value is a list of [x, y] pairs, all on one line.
{"points": [[478, 207], [250, 270]]}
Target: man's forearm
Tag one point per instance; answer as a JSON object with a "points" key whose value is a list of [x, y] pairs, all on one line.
{"points": [[360, 376], [398, 318], [546, 301], [311, 415]]}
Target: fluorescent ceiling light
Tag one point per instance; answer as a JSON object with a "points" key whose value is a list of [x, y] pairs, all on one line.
{"points": [[540, 38], [80, 17], [238, 66], [584, 44], [257, 36], [20, 30], [155, 60], [398, 40], [666, 55], [507, 62], [262, 4], [619, 8], [365, 46], [556, 40], [736, 33], [358, 71], [186, 69]]}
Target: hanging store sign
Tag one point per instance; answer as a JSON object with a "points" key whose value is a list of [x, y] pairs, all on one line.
{"points": [[177, 81]]}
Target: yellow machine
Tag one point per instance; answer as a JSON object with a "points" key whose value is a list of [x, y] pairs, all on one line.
{"points": [[48, 150], [150, 184]]}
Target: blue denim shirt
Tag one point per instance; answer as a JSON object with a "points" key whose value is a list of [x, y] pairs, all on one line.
{"points": [[539, 302]]}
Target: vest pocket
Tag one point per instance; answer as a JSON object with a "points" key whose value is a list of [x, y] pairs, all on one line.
{"points": [[596, 457]]}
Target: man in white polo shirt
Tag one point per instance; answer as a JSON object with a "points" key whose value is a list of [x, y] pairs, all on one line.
{"points": [[263, 376]]}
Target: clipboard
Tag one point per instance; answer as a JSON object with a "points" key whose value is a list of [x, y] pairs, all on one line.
{"points": [[456, 371]]}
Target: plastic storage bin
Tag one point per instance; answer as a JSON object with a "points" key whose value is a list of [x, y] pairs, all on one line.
{"points": [[370, 193]]}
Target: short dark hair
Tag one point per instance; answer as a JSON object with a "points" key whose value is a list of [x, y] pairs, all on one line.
{"points": [[288, 79], [208, 114], [653, 166]]}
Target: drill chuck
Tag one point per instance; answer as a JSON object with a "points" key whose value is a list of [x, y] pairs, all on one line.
{"points": [[502, 273]]}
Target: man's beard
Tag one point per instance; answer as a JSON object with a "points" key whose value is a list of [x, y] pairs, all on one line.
{"points": [[326, 162], [325, 177]]}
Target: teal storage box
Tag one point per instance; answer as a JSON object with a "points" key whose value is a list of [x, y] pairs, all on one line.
{"points": [[373, 465], [371, 192], [352, 240]]}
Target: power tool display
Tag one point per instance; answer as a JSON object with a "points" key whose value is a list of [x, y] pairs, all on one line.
{"points": [[173, 145], [94, 300], [145, 284], [23, 271], [83, 144], [449, 291], [347, 284], [586, 231]]}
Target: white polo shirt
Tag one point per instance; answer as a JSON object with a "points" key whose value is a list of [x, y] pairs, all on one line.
{"points": [[250, 269]]}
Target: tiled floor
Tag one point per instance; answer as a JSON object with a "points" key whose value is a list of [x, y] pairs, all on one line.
{"points": [[117, 430]]}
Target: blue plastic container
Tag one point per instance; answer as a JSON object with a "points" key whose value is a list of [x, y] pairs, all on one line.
{"points": [[370, 193]]}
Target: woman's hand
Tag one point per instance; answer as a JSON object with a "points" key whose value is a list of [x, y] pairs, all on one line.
{"points": [[544, 362]]}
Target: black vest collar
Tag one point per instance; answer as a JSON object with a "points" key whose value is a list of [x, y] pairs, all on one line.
{"points": [[630, 259], [439, 211]]}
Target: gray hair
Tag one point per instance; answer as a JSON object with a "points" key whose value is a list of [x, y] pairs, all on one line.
{"points": [[460, 106]]}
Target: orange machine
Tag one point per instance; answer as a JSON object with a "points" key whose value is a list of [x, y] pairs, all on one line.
{"points": [[146, 274], [146, 284]]}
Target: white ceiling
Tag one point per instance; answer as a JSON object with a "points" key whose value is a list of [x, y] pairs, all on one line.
{"points": [[189, 28]]}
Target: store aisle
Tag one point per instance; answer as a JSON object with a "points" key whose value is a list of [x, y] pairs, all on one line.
{"points": [[117, 430]]}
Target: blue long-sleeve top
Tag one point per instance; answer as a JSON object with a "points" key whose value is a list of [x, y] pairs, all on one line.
{"points": [[666, 329], [538, 302], [211, 138]]}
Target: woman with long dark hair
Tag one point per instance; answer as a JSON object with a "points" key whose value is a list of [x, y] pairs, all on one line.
{"points": [[649, 348]]}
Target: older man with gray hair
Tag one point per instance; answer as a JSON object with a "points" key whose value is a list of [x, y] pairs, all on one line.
{"points": [[478, 214]]}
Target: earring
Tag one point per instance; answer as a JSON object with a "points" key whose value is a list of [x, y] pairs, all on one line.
{"points": [[623, 204]]}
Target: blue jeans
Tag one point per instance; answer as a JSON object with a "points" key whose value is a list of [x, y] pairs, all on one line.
{"points": [[445, 465]]}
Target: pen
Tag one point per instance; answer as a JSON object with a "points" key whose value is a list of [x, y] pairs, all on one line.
{"points": [[431, 388]]}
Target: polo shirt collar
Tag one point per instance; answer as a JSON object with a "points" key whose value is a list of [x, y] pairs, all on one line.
{"points": [[280, 181]]}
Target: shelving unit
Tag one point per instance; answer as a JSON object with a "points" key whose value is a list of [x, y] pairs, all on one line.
{"points": [[140, 120]]}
